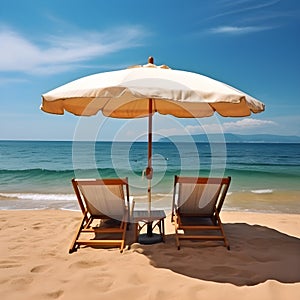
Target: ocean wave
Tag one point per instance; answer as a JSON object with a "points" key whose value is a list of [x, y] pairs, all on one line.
{"points": [[261, 164], [263, 191], [38, 197], [163, 195], [170, 171], [141, 197], [34, 170], [252, 171], [69, 209], [154, 196]]}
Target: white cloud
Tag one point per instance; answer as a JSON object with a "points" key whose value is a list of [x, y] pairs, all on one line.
{"points": [[246, 16], [247, 125], [238, 30], [61, 53], [240, 7], [170, 131], [9, 80], [194, 129], [198, 126], [205, 128]]}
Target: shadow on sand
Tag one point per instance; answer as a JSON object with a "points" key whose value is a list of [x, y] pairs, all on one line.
{"points": [[257, 254]]}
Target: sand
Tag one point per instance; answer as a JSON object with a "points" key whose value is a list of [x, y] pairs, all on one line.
{"points": [[263, 263]]}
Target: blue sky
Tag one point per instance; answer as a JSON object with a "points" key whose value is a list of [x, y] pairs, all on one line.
{"points": [[251, 45]]}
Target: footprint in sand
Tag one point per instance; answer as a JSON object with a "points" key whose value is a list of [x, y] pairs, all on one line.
{"points": [[39, 269], [55, 295], [100, 282], [135, 279], [7, 264], [87, 264], [21, 283]]}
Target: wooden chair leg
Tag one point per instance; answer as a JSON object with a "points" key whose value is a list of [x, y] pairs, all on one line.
{"points": [[123, 236], [80, 227], [176, 233], [222, 231]]}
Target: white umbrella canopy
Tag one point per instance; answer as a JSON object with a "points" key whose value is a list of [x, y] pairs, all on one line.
{"points": [[126, 93], [143, 90]]}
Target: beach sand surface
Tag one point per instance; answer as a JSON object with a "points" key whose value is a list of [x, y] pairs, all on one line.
{"points": [[263, 263]]}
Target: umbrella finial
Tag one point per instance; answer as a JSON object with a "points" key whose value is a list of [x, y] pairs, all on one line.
{"points": [[151, 60]]}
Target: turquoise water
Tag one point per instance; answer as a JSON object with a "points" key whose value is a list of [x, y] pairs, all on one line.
{"points": [[38, 174]]}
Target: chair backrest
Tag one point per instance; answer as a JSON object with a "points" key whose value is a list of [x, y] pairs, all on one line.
{"points": [[199, 195], [102, 197]]}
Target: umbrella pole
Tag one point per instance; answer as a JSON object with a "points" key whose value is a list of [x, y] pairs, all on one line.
{"points": [[150, 237], [149, 171]]}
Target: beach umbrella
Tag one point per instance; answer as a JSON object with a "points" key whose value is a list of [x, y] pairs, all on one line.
{"points": [[143, 90]]}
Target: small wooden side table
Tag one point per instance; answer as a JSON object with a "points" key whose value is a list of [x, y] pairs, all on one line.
{"points": [[150, 219]]}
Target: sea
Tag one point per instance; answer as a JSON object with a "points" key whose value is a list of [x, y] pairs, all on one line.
{"points": [[37, 174]]}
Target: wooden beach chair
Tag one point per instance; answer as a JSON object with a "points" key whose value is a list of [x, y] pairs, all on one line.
{"points": [[196, 207], [105, 202]]}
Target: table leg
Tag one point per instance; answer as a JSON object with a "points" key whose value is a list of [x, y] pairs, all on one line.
{"points": [[136, 231], [163, 228], [149, 229]]}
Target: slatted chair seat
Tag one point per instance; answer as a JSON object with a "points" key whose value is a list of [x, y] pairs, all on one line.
{"points": [[105, 207], [196, 207]]}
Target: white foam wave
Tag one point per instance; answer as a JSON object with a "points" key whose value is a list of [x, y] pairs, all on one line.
{"points": [[70, 209], [154, 195], [140, 197], [265, 191], [39, 197], [163, 195]]}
